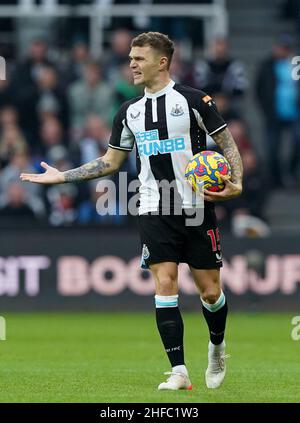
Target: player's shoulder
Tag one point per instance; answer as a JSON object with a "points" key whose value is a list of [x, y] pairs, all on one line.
{"points": [[190, 92], [128, 103], [121, 113]]}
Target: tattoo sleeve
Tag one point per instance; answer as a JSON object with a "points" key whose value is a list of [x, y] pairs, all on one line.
{"points": [[91, 170], [228, 146]]}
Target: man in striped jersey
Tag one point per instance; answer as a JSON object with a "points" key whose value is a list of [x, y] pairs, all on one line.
{"points": [[168, 125]]}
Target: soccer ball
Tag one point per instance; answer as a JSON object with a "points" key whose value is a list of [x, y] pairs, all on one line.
{"points": [[207, 167]]}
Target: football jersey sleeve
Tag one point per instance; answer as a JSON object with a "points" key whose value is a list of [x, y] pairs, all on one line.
{"points": [[121, 137], [212, 121]]}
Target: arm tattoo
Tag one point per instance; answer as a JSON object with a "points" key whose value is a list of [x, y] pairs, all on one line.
{"points": [[228, 146], [91, 170]]}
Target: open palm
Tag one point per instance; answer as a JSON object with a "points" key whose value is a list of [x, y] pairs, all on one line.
{"points": [[51, 176]]}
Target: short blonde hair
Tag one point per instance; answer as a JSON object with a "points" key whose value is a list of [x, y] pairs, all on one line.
{"points": [[157, 41]]}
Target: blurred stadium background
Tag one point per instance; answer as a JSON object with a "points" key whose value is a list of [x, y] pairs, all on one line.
{"points": [[66, 75]]}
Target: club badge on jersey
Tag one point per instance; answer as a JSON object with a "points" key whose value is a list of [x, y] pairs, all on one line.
{"points": [[177, 110]]}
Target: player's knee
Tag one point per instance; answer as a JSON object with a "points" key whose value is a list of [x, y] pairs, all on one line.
{"points": [[167, 285], [211, 297]]}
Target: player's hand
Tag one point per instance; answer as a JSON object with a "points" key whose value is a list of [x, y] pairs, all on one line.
{"points": [[51, 176], [231, 190]]}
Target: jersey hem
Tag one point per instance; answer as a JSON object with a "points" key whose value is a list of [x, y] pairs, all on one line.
{"points": [[120, 148], [218, 129]]}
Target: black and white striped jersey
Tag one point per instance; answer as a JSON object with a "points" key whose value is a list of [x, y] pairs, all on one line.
{"points": [[168, 128]]}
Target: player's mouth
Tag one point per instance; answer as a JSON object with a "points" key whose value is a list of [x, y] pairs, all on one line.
{"points": [[137, 74]]}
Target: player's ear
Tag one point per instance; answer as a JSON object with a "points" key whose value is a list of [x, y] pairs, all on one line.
{"points": [[163, 63]]}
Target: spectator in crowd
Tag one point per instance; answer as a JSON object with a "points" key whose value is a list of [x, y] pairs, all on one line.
{"points": [[179, 68], [20, 162], [107, 212], [223, 103], [24, 85], [49, 98], [6, 93], [91, 95], [15, 206], [253, 197], [179, 28], [11, 142], [220, 72], [27, 71], [8, 116], [240, 134], [73, 69], [247, 214], [124, 88], [62, 200], [118, 54], [239, 131], [51, 134], [252, 200], [94, 141], [290, 9], [59, 157], [278, 96]]}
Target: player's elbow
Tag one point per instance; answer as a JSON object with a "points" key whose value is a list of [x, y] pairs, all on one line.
{"points": [[115, 167]]}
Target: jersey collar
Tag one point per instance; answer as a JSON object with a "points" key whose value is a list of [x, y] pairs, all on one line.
{"points": [[166, 89]]}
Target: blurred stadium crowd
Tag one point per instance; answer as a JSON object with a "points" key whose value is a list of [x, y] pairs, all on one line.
{"points": [[58, 106]]}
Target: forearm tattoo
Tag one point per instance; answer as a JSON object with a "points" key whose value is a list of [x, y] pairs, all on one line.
{"points": [[228, 146], [91, 170]]}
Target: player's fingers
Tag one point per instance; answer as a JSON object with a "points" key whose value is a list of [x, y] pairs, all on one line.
{"points": [[226, 179], [208, 198], [45, 165], [200, 193], [213, 193], [220, 196], [25, 176], [28, 177], [208, 195]]}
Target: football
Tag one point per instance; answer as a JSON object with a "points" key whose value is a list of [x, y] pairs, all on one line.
{"points": [[207, 167]]}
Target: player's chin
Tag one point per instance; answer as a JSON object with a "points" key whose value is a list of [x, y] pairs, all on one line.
{"points": [[138, 80]]}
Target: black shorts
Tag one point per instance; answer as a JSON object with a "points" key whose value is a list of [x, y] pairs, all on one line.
{"points": [[168, 238]]}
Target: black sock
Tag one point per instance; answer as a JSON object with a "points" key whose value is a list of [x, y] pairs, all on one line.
{"points": [[216, 321], [170, 326]]}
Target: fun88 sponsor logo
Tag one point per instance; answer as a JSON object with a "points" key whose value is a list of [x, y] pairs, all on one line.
{"points": [[149, 144]]}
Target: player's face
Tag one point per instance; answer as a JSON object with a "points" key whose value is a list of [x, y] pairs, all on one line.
{"points": [[145, 63]]}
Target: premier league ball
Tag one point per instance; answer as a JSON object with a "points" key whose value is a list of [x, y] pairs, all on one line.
{"points": [[207, 167]]}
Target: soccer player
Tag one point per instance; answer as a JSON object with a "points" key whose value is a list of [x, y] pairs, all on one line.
{"points": [[169, 124]]}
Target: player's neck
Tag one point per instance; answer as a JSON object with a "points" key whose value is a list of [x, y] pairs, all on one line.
{"points": [[158, 85]]}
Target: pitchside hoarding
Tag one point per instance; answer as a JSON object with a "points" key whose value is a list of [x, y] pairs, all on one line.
{"points": [[98, 269]]}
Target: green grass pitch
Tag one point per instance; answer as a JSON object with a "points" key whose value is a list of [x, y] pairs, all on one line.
{"points": [[118, 357]]}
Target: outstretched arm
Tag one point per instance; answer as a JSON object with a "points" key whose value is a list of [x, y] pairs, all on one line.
{"points": [[102, 166], [233, 186]]}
